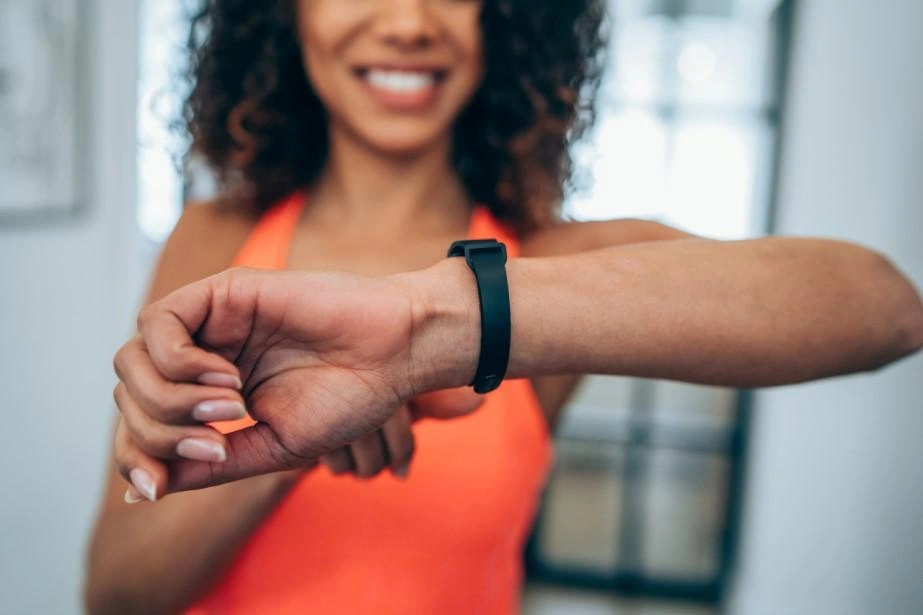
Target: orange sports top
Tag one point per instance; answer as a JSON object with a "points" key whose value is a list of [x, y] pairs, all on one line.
{"points": [[447, 541]]}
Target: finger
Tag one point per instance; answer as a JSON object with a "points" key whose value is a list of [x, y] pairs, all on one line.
{"points": [[251, 451], [170, 402], [399, 441], [370, 455], [147, 477], [339, 461], [447, 403], [167, 327], [164, 441]]}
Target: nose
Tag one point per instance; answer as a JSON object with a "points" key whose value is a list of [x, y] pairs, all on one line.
{"points": [[406, 23]]}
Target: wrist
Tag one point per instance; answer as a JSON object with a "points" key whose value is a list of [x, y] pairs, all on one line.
{"points": [[445, 342]]}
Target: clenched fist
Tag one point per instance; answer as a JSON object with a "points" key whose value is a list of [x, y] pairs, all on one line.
{"points": [[322, 361]]}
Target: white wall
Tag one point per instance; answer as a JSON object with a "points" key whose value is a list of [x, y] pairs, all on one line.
{"points": [[834, 516], [67, 290]]}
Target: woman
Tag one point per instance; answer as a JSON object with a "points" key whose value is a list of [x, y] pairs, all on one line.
{"points": [[365, 136]]}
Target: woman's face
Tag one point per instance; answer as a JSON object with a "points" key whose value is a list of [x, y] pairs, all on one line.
{"points": [[392, 73]]}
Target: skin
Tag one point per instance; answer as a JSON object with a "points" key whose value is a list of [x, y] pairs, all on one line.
{"points": [[329, 357], [410, 205]]}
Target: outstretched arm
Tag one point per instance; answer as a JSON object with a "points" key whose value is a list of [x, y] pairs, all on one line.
{"points": [[326, 358], [747, 313]]}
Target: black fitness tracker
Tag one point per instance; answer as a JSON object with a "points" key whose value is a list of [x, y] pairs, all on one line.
{"points": [[487, 259]]}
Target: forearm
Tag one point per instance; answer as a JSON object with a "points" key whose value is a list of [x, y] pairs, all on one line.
{"points": [[750, 313], [157, 558]]}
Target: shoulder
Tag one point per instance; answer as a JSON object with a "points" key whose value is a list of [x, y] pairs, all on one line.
{"points": [[204, 242], [570, 237]]}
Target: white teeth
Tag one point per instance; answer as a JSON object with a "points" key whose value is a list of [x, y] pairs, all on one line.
{"points": [[400, 82]]}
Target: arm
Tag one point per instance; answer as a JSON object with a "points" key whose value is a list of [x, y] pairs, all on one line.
{"points": [[747, 313], [330, 357], [158, 558], [569, 238]]}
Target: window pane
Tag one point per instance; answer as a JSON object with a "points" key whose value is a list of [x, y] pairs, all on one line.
{"points": [[684, 514], [638, 49], [160, 184], [627, 155], [583, 508], [721, 61], [712, 177]]}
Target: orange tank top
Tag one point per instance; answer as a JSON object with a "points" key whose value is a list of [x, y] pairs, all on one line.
{"points": [[447, 541]]}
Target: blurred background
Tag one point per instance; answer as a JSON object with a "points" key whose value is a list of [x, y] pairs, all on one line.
{"points": [[729, 118]]}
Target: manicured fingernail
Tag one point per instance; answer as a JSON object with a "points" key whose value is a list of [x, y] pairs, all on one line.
{"points": [[201, 449], [402, 471], [143, 482], [219, 410], [217, 379], [132, 496]]}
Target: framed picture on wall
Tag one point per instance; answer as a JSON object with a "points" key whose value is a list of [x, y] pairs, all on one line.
{"points": [[38, 107]]}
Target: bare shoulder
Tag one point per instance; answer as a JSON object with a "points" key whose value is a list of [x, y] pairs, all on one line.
{"points": [[204, 242], [572, 237]]}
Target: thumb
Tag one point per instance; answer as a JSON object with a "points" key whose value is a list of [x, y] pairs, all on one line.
{"points": [[446, 404], [252, 451]]}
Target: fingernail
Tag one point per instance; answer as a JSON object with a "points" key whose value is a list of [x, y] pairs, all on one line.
{"points": [[201, 449], [402, 471], [217, 379], [132, 496], [143, 482], [219, 410]]}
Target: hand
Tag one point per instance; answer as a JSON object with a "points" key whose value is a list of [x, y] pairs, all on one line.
{"points": [[392, 446], [320, 360]]}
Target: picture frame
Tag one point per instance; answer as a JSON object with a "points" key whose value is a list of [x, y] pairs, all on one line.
{"points": [[40, 128]]}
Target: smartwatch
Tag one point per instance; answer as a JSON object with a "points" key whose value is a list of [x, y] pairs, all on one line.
{"points": [[487, 260]]}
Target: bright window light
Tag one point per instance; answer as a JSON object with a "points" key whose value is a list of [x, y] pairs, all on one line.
{"points": [[160, 182]]}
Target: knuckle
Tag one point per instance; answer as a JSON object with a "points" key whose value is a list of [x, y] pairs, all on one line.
{"points": [[161, 403], [175, 406], [118, 363], [149, 438], [181, 364], [148, 396], [144, 316]]}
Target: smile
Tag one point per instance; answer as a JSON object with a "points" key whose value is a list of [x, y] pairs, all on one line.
{"points": [[400, 82], [403, 89]]}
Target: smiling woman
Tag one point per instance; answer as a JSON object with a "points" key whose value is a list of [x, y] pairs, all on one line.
{"points": [[363, 136], [502, 78]]}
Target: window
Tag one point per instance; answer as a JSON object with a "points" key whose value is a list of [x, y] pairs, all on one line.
{"points": [[645, 491], [160, 144], [644, 494]]}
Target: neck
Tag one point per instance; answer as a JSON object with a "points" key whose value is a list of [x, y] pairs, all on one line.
{"points": [[373, 190]]}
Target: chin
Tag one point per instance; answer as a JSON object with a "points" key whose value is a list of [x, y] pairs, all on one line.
{"points": [[404, 141]]}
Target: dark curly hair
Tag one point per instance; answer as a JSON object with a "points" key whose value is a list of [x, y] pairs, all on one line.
{"points": [[253, 115]]}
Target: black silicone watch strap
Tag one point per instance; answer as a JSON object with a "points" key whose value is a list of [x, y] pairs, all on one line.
{"points": [[487, 259]]}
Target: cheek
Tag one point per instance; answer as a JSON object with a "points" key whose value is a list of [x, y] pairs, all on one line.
{"points": [[464, 30], [322, 25], [466, 35]]}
